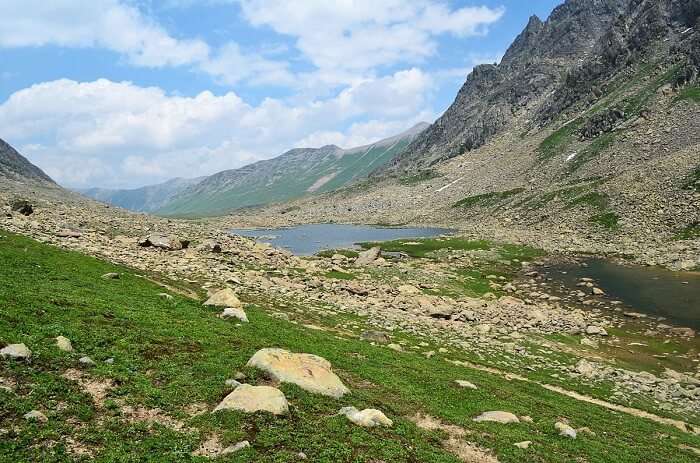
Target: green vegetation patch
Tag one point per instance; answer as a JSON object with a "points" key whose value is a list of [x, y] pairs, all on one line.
{"points": [[690, 93], [420, 247], [589, 153], [693, 181], [328, 253], [608, 220], [558, 140], [689, 232], [419, 177], [488, 199], [594, 199], [336, 275]]}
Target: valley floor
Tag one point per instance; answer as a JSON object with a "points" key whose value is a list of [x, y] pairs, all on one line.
{"points": [[456, 328]]}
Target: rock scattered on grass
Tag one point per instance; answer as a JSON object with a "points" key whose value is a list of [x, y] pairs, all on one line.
{"points": [[465, 384], [16, 351], [235, 447], [523, 445], [565, 430], [251, 399], [86, 361], [111, 276], [310, 372], [368, 256], [234, 312], [64, 344], [36, 415], [232, 383], [380, 337], [368, 418], [497, 417], [396, 347], [224, 298]]}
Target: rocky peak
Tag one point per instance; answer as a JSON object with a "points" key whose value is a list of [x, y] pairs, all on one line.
{"points": [[16, 167]]}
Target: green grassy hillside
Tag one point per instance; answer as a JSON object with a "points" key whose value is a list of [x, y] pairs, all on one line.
{"points": [[172, 357]]}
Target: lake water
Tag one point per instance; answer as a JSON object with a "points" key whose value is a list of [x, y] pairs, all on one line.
{"points": [[651, 290], [306, 240]]}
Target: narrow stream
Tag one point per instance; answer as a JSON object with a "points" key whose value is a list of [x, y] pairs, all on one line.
{"points": [[654, 291]]}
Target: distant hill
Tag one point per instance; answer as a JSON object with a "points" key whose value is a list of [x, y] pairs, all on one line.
{"points": [[16, 167], [145, 199], [295, 173]]}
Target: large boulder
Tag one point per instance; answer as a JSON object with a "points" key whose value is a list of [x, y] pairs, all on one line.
{"points": [[497, 417], [368, 256], [224, 298], [251, 399], [22, 206], [310, 372], [161, 241]]}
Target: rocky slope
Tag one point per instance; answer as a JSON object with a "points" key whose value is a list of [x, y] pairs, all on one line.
{"points": [[15, 167], [594, 152], [145, 199], [295, 173], [558, 65]]}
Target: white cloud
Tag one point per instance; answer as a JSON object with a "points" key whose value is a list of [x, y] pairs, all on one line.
{"points": [[96, 23], [114, 133], [363, 34]]}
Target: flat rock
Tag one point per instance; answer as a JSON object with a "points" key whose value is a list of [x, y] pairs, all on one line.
{"points": [[465, 384], [310, 372], [111, 276], [234, 312], [369, 417], [497, 417], [523, 445], [251, 399], [64, 344], [224, 298], [368, 256], [36, 415], [87, 361], [16, 351], [380, 337]]}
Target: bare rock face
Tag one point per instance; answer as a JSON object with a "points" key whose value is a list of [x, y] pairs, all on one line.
{"points": [[310, 372], [224, 298], [251, 399]]}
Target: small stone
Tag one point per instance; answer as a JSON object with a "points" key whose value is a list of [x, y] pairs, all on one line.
{"points": [[465, 384], [368, 417], [36, 415], [165, 296], [16, 351], [523, 445], [592, 329], [497, 417], [235, 448], [64, 344], [395, 347], [597, 291], [380, 337], [589, 342], [87, 361], [109, 361], [565, 430], [234, 312], [232, 383], [240, 376], [110, 276]]}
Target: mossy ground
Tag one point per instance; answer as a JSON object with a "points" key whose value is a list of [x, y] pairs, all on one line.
{"points": [[169, 354]]}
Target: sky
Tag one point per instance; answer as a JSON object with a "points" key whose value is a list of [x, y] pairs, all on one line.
{"points": [[126, 93]]}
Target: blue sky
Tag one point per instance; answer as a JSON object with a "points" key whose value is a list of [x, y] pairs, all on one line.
{"points": [[122, 93]]}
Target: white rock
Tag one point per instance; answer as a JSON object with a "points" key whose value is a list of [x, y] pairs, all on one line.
{"points": [[16, 351], [523, 445], [465, 384], [234, 312], [310, 372], [235, 448], [64, 344], [251, 399], [369, 417], [224, 298], [87, 361], [36, 415], [396, 347], [498, 417], [565, 430]]}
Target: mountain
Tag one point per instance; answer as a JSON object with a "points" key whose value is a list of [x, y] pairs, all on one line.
{"points": [[295, 173], [586, 134], [16, 167], [145, 199], [553, 66]]}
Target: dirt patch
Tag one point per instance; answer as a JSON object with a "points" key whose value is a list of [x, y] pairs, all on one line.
{"points": [[455, 443], [210, 448], [153, 416], [96, 388], [196, 409], [7, 384], [79, 449]]}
